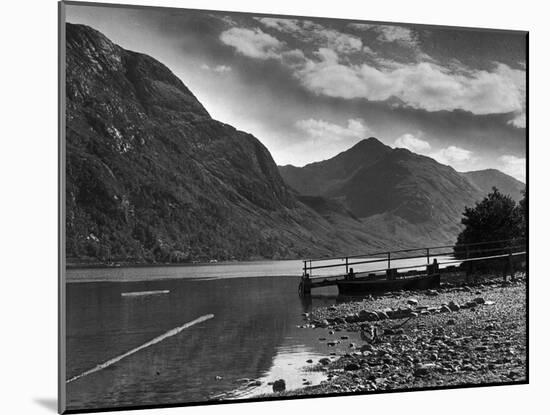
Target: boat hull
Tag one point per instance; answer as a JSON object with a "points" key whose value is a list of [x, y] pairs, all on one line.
{"points": [[364, 286]]}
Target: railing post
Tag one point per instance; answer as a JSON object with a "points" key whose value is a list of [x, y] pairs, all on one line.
{"points": [[428, 255], [347, 271], [511, 264], [389, 261], [304, 288]]}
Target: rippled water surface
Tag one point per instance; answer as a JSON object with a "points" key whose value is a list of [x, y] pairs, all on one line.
{"points": [[253, 334]]}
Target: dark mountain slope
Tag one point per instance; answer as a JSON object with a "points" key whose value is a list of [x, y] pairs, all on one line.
{"points": [[486, 179], [414, 187], [408, 198], [150, 176], [320, 177]]}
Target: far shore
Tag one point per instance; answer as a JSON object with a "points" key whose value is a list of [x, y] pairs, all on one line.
{"points": [[103, 265]]}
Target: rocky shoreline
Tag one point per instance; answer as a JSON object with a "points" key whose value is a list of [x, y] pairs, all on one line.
{"points": [[460, 334]]}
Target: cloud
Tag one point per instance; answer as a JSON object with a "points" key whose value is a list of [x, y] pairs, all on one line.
{"points": [[314, 33], [454, 156], [514, 166], [253, 43], [317, 139], [519, 121], [360, 26], [293, 58], [321, 130], [389, 33], [217, 68], [424, 85], [222, 68], [413, 143], [341, 42], [282, 25], [399, 34]]}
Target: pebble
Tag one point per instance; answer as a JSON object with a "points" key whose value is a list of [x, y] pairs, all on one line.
{"points": [[279, 385], [366, 348], [324, 361], [454, 306], [444, 309], [382, 315], [365, 315], [352, 366], [424, 369]]}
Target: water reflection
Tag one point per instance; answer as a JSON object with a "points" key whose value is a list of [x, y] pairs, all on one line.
{"points": [[253, 335]]}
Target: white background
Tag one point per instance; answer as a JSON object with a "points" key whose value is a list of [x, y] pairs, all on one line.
{"points": [[28, 204]]}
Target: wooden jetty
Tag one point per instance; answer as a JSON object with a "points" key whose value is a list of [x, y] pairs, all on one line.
{"points": [[413, 269]]}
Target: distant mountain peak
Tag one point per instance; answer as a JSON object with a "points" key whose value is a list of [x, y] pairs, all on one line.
{"points": [[367, 143]]}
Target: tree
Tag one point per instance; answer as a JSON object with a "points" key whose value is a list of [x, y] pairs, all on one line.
{"points": [[522, 215], [495, 218]]}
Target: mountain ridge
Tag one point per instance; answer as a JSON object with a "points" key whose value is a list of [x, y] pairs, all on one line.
{"points": [[485, 179], [151, 177], [386, 186]]}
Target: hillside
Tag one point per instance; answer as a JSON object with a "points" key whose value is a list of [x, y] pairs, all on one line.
{"points": [[320, 177], [486, 179], [396, 193], [151, 177]]}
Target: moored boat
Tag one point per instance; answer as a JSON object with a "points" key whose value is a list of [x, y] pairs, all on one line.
{"points": [[367, 285]]}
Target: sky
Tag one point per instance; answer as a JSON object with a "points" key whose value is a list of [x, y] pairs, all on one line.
{"points": [[310, 88]]}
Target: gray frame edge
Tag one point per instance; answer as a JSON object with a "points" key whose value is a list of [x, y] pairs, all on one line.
{"points": [[61, 312]]}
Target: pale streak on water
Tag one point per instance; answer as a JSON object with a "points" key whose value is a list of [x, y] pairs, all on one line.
{"points": [[150, 343]]}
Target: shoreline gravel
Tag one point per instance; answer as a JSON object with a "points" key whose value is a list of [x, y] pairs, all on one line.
{"points": [[460, 334]]}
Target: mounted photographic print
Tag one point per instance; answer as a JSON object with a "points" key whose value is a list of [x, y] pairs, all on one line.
{"points": [[259, 207]]}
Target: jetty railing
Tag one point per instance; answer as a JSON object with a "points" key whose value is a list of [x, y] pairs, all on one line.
{"points": [[445, 255], [430, 262]]}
